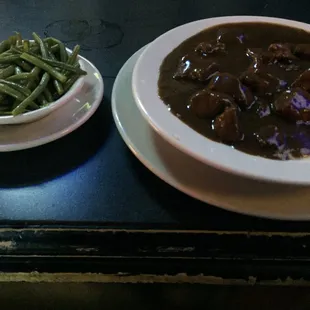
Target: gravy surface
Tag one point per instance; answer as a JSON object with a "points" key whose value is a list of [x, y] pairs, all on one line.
{"points": [[241, 84]]}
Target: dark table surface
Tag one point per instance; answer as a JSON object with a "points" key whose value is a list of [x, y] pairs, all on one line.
{"points": [[90, 177]]}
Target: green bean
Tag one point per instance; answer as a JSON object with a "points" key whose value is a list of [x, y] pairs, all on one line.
{"points": [[31, 84], [70, 82], [9, 59], [41, 44], [5, 89], [46, 67], [36, 48], [52, 61], [62, 49], [21, 76], [17, 102], [4, 46], [64, 66], [5, 54], [38, 90], [54, 48], [48, 95], [26, 45], [23, 64], [25, 91], [4, 73], [50, 55], [72, 58], [13, 51], [63, 52], [58, 86], [19, 39], [48, 40], [34, 77], [35, 71]]}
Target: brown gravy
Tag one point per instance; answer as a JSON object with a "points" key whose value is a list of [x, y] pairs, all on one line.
{"points": [[240, 84]]}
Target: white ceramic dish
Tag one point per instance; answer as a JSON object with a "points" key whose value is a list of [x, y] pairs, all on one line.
{"points": [[67, 118], [144, 85], [40, 113], [228, 191]]}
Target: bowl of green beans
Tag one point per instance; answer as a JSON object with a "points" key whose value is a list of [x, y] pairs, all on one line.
{"points": [[37, 76]]}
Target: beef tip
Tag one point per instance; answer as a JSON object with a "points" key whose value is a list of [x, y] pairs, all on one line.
{"points": [[207, 104], [230, 85], [262, 83], [259, 57], [294, 105], [270, 136], [195, 69], [302, 51], [303, 81], [282, 52], [226, 125], [231, 36], [262, 109], [206, 48]]}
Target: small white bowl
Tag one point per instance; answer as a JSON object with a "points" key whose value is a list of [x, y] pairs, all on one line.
{"points": [[42, 112], [221, 156]]}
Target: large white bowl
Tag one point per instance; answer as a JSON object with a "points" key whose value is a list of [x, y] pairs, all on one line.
{"points": [[221, 156], [35, 115]]}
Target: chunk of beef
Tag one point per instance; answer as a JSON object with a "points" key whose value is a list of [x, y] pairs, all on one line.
{"points": [[226, 125], [262, 109], [282, 51], [196, 69], [228, 84], [262, 83], [207, 48], [207, 104], [259, 57], [294, 105], [303, 81], [302, 51], [270, 136]]}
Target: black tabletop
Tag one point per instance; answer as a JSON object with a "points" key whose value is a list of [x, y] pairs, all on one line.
{"points": [[90, 175]]}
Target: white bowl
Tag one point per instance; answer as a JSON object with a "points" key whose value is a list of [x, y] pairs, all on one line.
{"points": [[221, 156], [42, 112]]}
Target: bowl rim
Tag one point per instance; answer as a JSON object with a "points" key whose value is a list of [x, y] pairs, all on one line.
{"points": [[31, 115], [185, 138]]}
